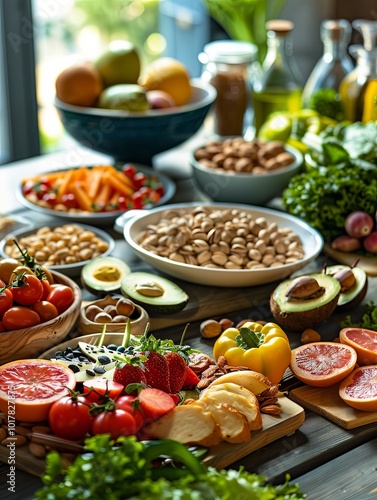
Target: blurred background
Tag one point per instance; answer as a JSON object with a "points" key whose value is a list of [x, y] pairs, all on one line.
{"points": [[38, 38]]}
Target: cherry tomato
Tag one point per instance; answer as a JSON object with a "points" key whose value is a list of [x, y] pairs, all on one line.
{"points": [[137, 200], [69, 200], [61, 296], [6, 300], [28, 187], [26, 290], [160, 190], [129, 170], [131, 404], [69, 417], [94, 389], [46, 310], [139, 179], [115, 422], [50, 198], [46, 288], [18, 317], [42, 188]]}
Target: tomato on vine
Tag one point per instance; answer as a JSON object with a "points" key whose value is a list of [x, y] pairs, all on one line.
{"points": [[6, 299], [116, 422], [61, 296], [26, 289], [19, 317], [70, 417]]}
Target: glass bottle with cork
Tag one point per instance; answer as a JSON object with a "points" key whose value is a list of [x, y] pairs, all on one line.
{"points": [[279, 88], [335, 62], [229, 65], [359, 88]]}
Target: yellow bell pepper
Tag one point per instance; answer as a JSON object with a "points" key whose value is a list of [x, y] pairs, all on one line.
{"points": [[262, 348]]}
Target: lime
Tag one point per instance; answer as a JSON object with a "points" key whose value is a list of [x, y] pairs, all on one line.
{"points": [[120, 63], [277, 127]]}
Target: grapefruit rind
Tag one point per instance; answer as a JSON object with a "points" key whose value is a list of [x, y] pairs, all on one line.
{"points": [[359, 389], [322, 364], [41, 382], [364, 342]]}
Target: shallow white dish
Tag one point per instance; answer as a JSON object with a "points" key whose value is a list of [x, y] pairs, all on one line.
{"points": [[311, 239], [71, 270], [101, 218]]}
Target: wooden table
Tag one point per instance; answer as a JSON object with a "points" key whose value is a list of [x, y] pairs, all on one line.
{"points": [[328, 461]]}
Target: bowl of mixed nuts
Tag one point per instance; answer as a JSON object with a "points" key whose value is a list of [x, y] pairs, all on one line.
{"points": [[223, 245], [238, 171]]}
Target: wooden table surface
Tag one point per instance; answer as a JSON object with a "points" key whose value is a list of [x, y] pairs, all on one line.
{"points": [[328, 461]]}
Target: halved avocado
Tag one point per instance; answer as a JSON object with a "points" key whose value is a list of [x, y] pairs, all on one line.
{"points": [[300, 313], [156, 294], [104, 274], [353, 296]]}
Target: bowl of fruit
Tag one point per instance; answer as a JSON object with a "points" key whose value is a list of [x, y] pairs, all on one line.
{"points": [[116, 107], [38, 309]]}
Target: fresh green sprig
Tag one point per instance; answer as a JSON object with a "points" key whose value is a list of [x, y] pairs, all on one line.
{"points": [[368, 319]]}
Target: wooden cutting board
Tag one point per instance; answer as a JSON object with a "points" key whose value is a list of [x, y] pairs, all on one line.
{"points": [[327, 403], [219, 456]]}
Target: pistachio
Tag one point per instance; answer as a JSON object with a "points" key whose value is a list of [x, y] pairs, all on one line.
{"points": [[150, 289]]}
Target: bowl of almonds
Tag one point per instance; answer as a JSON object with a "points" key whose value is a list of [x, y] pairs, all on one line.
{"points": [[223, 245], [238, 171]]}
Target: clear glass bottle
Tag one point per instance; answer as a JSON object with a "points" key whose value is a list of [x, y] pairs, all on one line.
{"points": [[335, 62], [359, 88], [229, 66], [279, 88]]}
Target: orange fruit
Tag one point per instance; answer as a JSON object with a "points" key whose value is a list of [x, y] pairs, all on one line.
{"points": [[79, 84], [29, 387], [170, 76], [363, 341], [359, 389], [322, 364]]}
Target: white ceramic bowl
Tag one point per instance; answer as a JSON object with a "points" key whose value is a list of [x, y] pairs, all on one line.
{"points": [[249, 188], [71, 270], [311, 239]]}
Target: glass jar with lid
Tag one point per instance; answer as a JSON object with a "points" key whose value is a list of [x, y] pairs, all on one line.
{"points": [[335, 62], [230, 66]]}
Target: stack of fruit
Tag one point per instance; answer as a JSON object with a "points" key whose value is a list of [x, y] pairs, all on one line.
{"points": [[115, 80]]}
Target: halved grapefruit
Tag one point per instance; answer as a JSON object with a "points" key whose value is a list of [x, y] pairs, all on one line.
{"points": [[29, 387], [359, 389], [363, 341], [322, 364]]}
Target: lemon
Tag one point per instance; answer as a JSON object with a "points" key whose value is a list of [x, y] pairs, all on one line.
{"points": [[170, 76], [278, 127], [119, 64]]}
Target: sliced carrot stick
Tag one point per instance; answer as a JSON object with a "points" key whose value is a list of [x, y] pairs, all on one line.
{"points": [[123, 178], [63, 184], [94, 182], [119, 186], [82, 198], [104, 193]]}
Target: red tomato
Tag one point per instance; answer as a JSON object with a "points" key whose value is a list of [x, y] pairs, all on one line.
{"points": [[18, 317], [69, 200], [46, 310], [94, 389], [137, 200], [116, 422], [61, 296], [129, 170], [46, 288], [26, 291], [6, 300], [139, 179], [131, 404], [69, 417], [50, 198]]}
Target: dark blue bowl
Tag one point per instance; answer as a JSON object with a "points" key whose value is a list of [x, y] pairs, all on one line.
{"points": [[137, 137]]}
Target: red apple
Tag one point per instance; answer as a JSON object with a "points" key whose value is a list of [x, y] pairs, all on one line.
{"points": [[358, 224], [158, 99]]}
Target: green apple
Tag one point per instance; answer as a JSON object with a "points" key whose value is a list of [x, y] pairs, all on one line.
{"points": [[119, 64], [127, 97]]}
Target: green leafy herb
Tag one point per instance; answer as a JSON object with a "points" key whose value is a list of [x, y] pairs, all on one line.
{"points": [[368, 319], [127, 469], [327, 102]]}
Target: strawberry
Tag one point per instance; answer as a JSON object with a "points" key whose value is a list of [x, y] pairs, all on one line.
{"points": [[157, 371], [155, 403], [127, 373], [177, 370], [191, 379]]}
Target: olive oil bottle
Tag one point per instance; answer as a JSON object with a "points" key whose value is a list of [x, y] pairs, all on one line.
{"points": [[279, 88]]}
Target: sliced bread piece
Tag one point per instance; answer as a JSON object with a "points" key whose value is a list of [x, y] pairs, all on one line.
{"points": [[188, 424]]}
